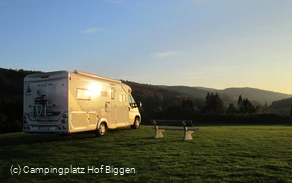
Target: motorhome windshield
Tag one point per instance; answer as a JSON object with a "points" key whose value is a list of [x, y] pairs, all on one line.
{"points": [[132, 101]]}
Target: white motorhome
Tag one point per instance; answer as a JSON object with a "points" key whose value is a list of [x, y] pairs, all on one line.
{"points": [[67, 102]]}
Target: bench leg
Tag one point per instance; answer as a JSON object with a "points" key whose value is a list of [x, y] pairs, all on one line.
{"points": [[188, 135], [158, 133]]}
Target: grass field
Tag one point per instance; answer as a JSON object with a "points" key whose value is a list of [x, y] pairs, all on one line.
{"points": [[216, 154]]}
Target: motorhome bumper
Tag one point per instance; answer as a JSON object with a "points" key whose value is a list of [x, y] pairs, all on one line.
{"points": [[49, 129]]}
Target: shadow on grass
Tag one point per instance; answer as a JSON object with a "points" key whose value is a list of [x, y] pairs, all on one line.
{"points": [[151, 140], [21, 154], [26, 139], [17, 139]]}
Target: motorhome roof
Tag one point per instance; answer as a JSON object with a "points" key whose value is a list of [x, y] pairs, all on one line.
{"points": [[96, 76], [46, 74], [63, 73]]}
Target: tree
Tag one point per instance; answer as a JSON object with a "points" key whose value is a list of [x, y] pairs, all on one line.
{"points": [[259, 109], [291, 111], [239, 104], [247, 107], [213, 103], [231, 109], [266, 108], [187, 103]]}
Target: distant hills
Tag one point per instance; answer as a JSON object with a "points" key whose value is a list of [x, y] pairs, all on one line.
{"points": [[278, 102], [259, 95], [282, 106], [159, 102], [11, 81], [229, 95]]}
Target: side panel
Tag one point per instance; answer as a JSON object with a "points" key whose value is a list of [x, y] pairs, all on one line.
{"points": [[79, 120], [88, 102], [92, 119]]}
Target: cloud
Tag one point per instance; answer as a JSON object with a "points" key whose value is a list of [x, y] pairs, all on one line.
{"points": [[115, 1], [165, 54], [93, 30]]}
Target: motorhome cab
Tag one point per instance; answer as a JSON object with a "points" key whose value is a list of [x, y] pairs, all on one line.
{"points": [[67, 102]]}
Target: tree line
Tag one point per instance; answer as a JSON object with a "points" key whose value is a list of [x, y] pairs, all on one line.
{"points": [[215, 105], [158, 103], [11, 99], [212, 110]]}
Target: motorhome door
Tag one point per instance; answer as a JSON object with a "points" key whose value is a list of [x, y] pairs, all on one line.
{"points": [[113, 108]]}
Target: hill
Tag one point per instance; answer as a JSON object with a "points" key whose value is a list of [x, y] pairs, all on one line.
{"points": [[259, 95], [11, 98], [190, 91], [282, 106], [158, 101], [230, 95]]}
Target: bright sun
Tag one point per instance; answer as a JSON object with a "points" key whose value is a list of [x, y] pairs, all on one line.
{"points": [[94, 89]]}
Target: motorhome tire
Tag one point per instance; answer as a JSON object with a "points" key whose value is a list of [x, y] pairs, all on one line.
{"points": [[136, 124], [100, 131]]}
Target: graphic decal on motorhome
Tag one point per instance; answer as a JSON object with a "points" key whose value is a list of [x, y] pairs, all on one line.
{"points": [[28, 90]]}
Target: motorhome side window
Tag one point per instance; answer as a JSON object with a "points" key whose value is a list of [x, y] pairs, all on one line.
{"points": [[113, 93], [122, 98], [83, 94]]}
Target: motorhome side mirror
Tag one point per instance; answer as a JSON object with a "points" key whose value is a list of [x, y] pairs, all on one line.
{"points": [[139, 104]]}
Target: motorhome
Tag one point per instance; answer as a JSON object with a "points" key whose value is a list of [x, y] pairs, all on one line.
{"points": [[66, 102]]}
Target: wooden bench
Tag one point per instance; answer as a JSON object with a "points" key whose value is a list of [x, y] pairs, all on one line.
{"points": [[185, 125]]}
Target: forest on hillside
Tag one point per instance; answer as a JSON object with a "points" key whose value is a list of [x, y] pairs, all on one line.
{"points": [[11, 98], [158, 103], [283, 106], [161, 103]]}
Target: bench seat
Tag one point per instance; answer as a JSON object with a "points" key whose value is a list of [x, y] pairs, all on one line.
{"points": [[184, 125], [177, 128]]}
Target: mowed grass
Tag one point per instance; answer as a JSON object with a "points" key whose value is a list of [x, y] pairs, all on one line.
{"points": [[216, 154]]}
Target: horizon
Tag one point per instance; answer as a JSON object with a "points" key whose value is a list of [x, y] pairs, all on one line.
{"points": [[198, 87], [195, 43]]}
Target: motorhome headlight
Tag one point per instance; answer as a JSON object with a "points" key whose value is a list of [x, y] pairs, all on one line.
{"points": [[63, 121], [64, 118], [24, 119], [65, 115]]}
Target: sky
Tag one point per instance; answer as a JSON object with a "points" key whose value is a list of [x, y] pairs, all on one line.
{"points": [[208, 43]]}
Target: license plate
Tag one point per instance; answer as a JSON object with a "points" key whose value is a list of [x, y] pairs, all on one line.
{"points": [[52, 128], [44, 128]]}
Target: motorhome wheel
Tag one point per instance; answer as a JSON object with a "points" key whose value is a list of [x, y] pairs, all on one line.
{"points": [[136, 124], [101, 130]]}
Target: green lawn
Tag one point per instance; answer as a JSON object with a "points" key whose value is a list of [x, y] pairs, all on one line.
{"points": [[216, 154]]}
